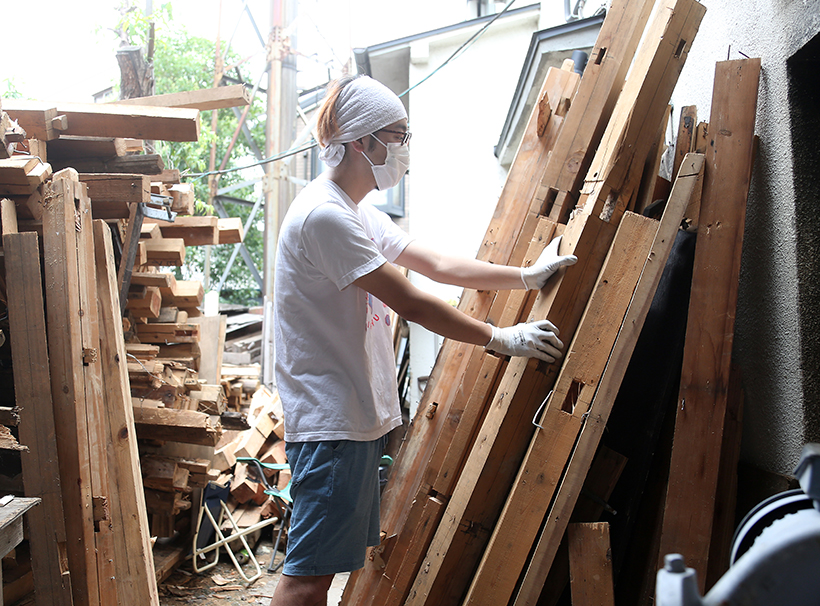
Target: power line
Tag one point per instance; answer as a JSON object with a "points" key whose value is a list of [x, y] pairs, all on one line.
{"points": [[293, 151]]}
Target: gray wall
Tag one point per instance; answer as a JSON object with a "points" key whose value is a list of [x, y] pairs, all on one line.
{"points": [[777, 316]]}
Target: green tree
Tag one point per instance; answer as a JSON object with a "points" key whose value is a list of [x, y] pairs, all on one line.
{"points": [[183, 62]]}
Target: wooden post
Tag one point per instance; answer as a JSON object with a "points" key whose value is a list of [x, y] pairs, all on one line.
{"points": [[133, 557], [65, 348], [703, 395]]}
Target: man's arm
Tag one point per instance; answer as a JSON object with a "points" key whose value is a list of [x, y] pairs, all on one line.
{"points": [[472, 273], [459, 271], [414, 305]]}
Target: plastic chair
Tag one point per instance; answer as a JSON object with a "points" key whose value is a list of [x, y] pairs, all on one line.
{"points": [[213, 507], [281, 497]]}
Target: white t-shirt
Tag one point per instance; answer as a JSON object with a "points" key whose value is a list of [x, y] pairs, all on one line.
{"points": [[335, 367]]}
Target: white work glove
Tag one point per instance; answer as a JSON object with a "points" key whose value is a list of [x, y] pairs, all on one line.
{"points": [[533, 340], [537, 274]]}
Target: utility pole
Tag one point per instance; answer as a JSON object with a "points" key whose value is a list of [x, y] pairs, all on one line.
{"points": [[279, 135]]}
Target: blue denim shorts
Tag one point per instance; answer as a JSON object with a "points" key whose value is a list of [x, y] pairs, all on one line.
{"points": [[335, 490]]}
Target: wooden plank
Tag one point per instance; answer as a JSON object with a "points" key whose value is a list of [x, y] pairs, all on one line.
{"points": [[615, 172], [72, 147], [146, 303], [41, 474], [157, 279], [8, 217], [687, 522], [36, 121], [566, 410], [688, 182], [165, 251], [168, 424], [65, 347], [590, 562], [230, 231], [143, 164], [209, 98], [105, 120], [132, 546], [194, 230], [98, 431], [111, 194], [185, 294], [685, 139], [645, 195], [592, 107]]}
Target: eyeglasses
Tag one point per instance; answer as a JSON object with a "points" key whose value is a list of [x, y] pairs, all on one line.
{"points": [[405, 135]]}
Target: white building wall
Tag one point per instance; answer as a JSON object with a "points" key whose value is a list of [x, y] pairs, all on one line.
{"points": [[767, 332], [455, 179]]}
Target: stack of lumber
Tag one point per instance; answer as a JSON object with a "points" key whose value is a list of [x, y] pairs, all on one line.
{"points": [[71, 179], [479, 501]]}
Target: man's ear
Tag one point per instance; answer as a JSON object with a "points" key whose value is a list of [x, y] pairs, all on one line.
{"points": [[358, 145]]}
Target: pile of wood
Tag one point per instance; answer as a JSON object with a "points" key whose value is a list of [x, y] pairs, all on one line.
{"points": [[505, 453], [97, 392]]}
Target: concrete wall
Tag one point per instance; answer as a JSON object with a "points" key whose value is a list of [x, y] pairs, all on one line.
{"points": [[771, 340], [455, 179]]}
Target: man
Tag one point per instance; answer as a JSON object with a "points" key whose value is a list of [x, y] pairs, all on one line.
{"points": [[335, 369]]}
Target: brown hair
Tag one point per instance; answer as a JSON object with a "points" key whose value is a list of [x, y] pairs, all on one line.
{"points": [[326, 125]]}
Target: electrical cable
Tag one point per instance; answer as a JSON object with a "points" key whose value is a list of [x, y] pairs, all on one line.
{"points": [[290, 152]]}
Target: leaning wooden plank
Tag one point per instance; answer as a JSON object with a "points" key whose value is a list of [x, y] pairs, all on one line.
{"points": [[590, 563], [41, 474], [565, 411], [592, 107], [104, 120], [172, 425], [686, 187], [687, 520], [95, 409], [67, 385], [615, 172], [132, 548], [205, 99]]}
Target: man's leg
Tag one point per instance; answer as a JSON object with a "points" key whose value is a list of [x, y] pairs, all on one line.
{"points": [[301, 591]]}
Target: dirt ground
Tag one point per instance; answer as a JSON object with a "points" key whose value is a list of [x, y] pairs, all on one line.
{"points": [[222, 585]]}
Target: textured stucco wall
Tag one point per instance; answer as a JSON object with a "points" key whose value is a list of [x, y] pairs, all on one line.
{"points": [[768, 336]]}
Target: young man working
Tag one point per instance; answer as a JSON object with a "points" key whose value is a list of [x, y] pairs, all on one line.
{"points": [[335, 369]]}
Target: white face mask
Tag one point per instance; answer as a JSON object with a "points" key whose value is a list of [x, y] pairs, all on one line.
{"points": [[395, 165]]}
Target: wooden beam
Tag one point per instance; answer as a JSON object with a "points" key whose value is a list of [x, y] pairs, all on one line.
{"points": [[616, 169], [68, 147], [194, 230], [41, 473], [701, 414], [106, 120], [592, 107], [65, 348], [143, 164], [205, 99], [111, 194], [165, 251], [172, 425], [590, 563]]}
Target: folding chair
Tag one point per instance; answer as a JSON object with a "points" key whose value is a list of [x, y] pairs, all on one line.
{"points": [[282, 497], [213, 507]]}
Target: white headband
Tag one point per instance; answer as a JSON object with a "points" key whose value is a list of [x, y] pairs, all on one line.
{"points": [[363, 107]]}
